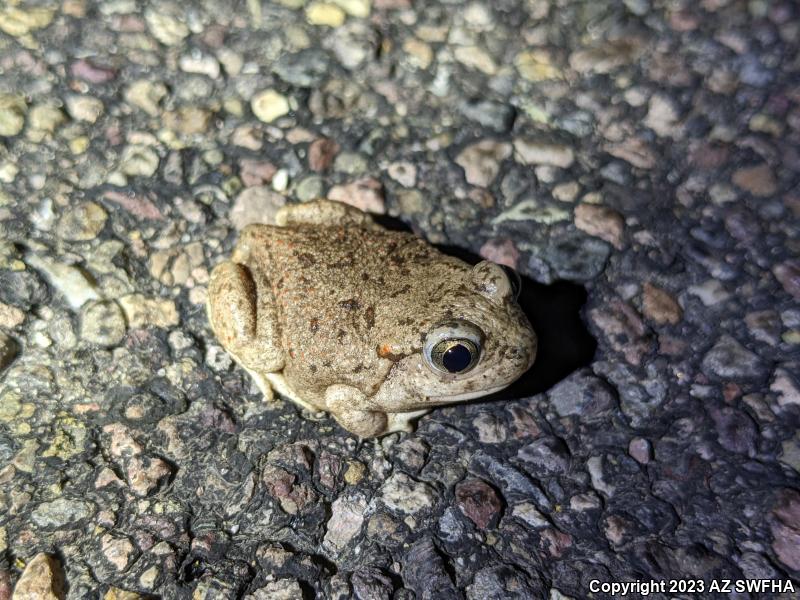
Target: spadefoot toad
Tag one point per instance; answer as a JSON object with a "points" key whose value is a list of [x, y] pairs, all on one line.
{"points": [[374, 326]]}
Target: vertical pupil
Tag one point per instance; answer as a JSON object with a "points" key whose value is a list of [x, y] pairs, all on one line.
{"points": [[456, 358]]}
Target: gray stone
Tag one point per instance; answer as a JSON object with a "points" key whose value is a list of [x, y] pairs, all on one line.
{"points": [[545, 456], [405, 494], [736, 431], [282, 589], [492, 115], [370, 583], [102, 323], [307, 68], [452, 527], [424, 572], [62, 512], [257, 204], [501, 582], [512, 483], [577, 257], [582, 394], [728, 359]]}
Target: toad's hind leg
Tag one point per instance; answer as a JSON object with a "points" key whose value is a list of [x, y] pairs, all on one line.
{"points": [[323, 212], [242, 313]]}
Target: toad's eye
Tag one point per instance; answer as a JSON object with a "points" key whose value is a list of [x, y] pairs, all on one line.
{"points": [[454, 356], [453, 347]]}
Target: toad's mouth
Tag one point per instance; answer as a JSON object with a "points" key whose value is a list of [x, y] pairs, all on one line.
{"points": [[464, 395]]}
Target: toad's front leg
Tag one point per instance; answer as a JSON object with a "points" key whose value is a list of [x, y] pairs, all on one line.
{"points": [[346, 404], [242, 314]]}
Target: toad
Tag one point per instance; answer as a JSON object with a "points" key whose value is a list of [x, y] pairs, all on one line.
{"points": [[377, 327]]}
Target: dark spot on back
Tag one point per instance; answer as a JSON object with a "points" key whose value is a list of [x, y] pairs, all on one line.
{"points": [[402, 290], [306, 259], [313, 325], [369, 316], [350, 304]]}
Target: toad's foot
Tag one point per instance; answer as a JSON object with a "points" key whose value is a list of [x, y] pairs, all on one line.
{"points": [[345, 404], [402, 421]]}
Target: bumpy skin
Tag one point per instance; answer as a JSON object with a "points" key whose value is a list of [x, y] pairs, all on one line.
{"points": [[331, 310]]}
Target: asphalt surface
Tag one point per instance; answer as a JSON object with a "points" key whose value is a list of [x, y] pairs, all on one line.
{"points": [[637, 162]]}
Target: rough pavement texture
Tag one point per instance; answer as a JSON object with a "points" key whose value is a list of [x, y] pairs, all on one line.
{"points": [[645, 149]]}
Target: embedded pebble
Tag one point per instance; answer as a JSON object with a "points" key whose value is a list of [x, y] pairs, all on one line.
{"points": [[139, 161], [661, 116], [141, 311], [321, 153], [12, 114], [481, 161], [84, 108], [269, 105], [581, 394], [475, 57], [256, 204], [536, 65], [641, 450], [281, 589], [404, 173], [166, 28], [82, 223], [659, 306], [478, 501], [62, 512], [535, 152], [146, 95], [788, 274], [365, 194], [405, 494], [347, 516], [45, 117], [728, 359], [91, 72], [600, 221], [70, 281], [758, 180], [102, 323], [325, 13], [42, 579]]}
